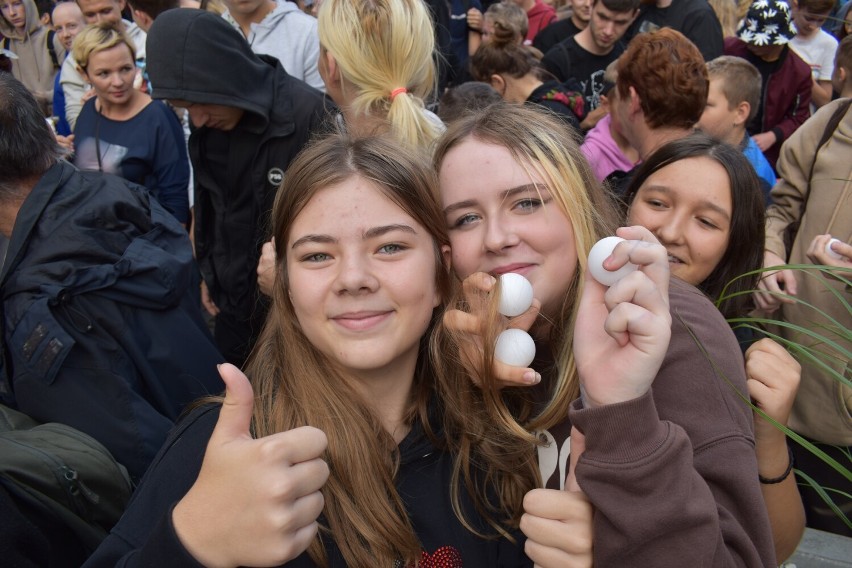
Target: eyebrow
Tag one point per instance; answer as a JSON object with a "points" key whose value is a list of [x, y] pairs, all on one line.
{"points": [[703, 202], [537, 188], [369, 234]]}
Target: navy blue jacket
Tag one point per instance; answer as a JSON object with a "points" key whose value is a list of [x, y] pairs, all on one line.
{"points": [[102, 327]]}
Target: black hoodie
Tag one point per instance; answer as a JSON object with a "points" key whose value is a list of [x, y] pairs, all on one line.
{"points": [[197, 57]]}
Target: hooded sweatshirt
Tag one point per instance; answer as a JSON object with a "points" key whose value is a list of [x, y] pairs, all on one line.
{"points": [[290, 36], [195, 56], [603, 153], [34, 66]]}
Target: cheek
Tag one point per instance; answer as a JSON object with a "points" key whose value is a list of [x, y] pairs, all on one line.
{"points": [[465, 254]]}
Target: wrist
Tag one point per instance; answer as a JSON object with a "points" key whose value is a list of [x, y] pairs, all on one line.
{"points": [[772, 472]]}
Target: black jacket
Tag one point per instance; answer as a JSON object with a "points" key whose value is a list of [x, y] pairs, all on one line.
{"points": [[145, 536], [197, 57], [102, 325]]}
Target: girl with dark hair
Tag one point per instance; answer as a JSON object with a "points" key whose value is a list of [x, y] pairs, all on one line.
{"points": [[714, 237]]}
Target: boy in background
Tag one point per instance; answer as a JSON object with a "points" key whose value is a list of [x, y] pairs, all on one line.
{"points": [[732, 102], [815, 46], [842, 77], [762, 40]]}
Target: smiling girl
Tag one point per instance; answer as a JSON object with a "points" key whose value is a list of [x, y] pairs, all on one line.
{"points": [[360, 441], [664, 454]]}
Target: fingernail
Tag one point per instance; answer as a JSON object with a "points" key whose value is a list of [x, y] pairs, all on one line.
{"points": [[532, 378]]}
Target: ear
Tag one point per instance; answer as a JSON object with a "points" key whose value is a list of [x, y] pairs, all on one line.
{"points": [[447, 255], [635, 101], [498, 83], [142, 19], [742, 111], [331, 65]]}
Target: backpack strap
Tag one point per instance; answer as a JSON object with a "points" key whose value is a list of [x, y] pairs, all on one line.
{"points": [[52, 49], [830, 127]]}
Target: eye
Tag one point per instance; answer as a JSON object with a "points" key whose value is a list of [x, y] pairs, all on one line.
{"points": [[316, 257], [466, 219], [392, 248], [527, 205], [708, 223], [655, 203]]}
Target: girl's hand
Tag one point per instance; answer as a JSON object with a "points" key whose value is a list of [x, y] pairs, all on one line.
{"points": [[558, 524], [773, 380], [256, 501], [775, 286], [469, 324], [622, 333]]}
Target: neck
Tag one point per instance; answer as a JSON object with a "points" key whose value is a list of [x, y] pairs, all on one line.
{"points": [[846, 92], [585, 40], [246, 20], [389, 396], [663, 3], [125, 110], [581, 24], [11, 205], [736, 136], [360, 124], [519, 90], [658, 137], [623, 145]]}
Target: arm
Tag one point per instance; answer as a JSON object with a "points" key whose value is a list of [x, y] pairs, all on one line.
{"points": [[799, 110], [74, 86], [171, 166], [821, 92], [773, 380], [263, 494], [687, 440]]}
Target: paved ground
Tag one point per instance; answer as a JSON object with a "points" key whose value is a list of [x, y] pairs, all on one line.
{"points": [[820, 549]]}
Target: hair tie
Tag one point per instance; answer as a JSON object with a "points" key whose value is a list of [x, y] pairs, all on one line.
{"points": [[397, 91]]}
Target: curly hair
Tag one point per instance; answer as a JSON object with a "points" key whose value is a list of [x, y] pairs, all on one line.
{"points": [[668, 73]]}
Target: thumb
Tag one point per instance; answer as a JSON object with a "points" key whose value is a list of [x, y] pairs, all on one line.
{"points": [[578, 446], [790, 282], [235, 416]]}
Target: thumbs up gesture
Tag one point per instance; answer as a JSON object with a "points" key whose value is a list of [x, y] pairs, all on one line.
{"points": [[256, 501], [558, 524]]}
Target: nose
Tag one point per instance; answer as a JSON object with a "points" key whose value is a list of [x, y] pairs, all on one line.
{"points": [[608, 29], [355, 276], [499, 235], [198, 116], [669, 230]]}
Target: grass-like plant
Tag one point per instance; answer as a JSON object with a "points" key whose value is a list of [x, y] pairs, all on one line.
{"points": [[833, 333]]}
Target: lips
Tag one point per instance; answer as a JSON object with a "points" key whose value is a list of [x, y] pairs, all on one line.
{"points": [[674, 260], [522, 268], [361, 321]]}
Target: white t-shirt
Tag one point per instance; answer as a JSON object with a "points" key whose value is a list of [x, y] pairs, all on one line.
{"points": [[818, 52]]}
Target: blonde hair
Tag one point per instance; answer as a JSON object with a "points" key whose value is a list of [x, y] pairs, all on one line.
{"points": [[96, 38], [295, 384], [382, 47], [539, 142]]}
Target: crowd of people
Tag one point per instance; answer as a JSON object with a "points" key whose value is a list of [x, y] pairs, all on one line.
{"points": [[254, 249]]}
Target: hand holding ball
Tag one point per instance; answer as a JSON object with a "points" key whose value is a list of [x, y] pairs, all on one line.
{"points": [[831, 252], [599, 253], [515, 346]]}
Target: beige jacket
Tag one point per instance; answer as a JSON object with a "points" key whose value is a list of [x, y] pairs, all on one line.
{"points": [[823, 404], [34, 66]]}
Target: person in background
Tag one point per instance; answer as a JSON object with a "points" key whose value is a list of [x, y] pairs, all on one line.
{"points": [[785, 96], [583, 58], [605, 146], [102, 328], [732, 101], [67, 23], [251, 119], [815, 46], [695, 19], [76, 90], [38, 50], [465, 98], [539, 15], [504, 22], [814, 190], [121, 130], [560, 30], [278, 28]]}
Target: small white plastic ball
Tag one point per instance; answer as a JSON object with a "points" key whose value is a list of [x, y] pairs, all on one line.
{"points": [[830, 251], [516, 294], [599, 253], [515, 347]]}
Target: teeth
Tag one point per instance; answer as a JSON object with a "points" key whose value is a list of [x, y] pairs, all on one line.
{"points": [[675, 259]]}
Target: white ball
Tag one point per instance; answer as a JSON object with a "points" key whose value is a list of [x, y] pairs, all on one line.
{"points": [[599, 253], [515, 347], [830, 251], [516, 294]]}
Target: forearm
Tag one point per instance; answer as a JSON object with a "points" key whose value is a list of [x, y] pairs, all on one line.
{"points": [[783, 502], [821, 92]]}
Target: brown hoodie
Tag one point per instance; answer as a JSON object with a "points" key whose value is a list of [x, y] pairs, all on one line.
{"points": [[34, 66]]}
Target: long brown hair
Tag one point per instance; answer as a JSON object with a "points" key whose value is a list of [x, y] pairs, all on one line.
{"points": [[296, 385], [537, 141]]}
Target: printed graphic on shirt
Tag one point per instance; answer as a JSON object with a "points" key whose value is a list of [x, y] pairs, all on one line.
{"points": [[553, 459], [111, 156]]}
